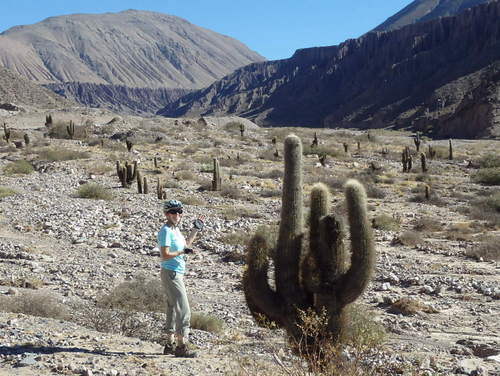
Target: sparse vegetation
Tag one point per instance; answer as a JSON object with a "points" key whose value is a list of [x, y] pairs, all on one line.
{"points": [[19, 167], [61, 154], [6, 192], [36, 303], [94, 191], [488, 176]]}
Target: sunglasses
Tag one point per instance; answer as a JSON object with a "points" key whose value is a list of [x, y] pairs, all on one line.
{"points": [[175, 211]]}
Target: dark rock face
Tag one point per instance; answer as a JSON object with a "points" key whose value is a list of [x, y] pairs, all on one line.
{"points": [[426, 10], [122, 99], [440, 77]]}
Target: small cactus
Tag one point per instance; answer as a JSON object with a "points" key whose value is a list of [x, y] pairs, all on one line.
{"points": [[129, 145], [160, 191], [216, 179], [423, 162], [417, 141], [431, 152], [346, 147], [427, 192], [315, 141], [274, 140], [450, 152], [139, 183], [48, 120], [242, 129], [71, 129], [26, 139], [6, 132], [145, 188]]}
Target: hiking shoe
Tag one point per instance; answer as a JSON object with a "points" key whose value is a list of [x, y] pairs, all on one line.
{"points": [[182, 351], [169, 349]]}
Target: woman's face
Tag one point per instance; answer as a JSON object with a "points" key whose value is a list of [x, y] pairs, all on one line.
{"points": [[174, 216]]}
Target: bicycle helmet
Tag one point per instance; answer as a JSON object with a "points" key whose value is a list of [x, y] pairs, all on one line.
{"points": [[172, 204]]}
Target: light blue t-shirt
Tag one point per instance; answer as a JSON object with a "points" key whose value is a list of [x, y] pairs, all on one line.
{"points": [[172, 238]]}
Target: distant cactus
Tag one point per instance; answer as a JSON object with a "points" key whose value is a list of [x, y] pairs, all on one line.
{"points": [[315, 141], [326, 281], [216, 179], [427, 192], [406, 159], [26, 139], [160, 190], [71, 129], [145, 188], [48, 120], [431, 152], [129, 145], [450, 153], [322, 159], [274, 140], [127, 173], [417, 141], [6, 132], [423, 162], [346, 147], [242, 129], [359, 146], [139, 183]]}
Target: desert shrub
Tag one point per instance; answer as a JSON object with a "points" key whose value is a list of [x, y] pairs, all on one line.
{"points": [[236, 212], [206, 322], [185, 175], [270, 193], [234, 255], [59, 130], [99, 168], [427, 224], [139, 294], [269, 155], [18, 167], [270, 174], [190, 149], [236, 238], [235, 193], [409, 238], [330, 151], [35, 303], [386, 222], [362, 330], [486, 208], [192, 200], [434, 198], [487, 176], [62, 154], [488, 250], [6, 191], [232, 127], [409, 307], [442, 152], [459, 231], [490, 161], [94, 191]]}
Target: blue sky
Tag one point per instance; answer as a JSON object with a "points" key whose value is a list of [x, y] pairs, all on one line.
{"points": [[273, 28]]}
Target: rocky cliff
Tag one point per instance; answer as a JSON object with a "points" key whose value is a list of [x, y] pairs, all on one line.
{"points": [[426, 10], [121, 99], [131, 48], [425, 75]]}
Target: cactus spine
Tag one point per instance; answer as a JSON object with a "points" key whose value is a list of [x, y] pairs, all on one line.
{"points": [[216, 180], [322, 281]]}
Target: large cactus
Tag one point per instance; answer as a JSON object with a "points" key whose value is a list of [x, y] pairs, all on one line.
{"points": [[318, 276]]}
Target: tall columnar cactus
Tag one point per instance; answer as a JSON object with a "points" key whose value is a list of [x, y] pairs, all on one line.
{"points": [[315, 276], [315, 142], [48, 120], [26, 139], [129, 144], [71, 129], [406, 159], [242, 129], [216, 179], [417, 141], [450, 153], [423, 162], [6, 132], [127, 173]]}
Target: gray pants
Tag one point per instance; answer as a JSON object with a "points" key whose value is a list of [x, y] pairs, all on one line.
{"points": [[178, 312]]}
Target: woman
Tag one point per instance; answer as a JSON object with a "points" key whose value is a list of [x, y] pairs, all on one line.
{"points": [[173, 246]]}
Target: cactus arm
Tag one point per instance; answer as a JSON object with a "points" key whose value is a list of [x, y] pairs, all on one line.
{"points": [[289, 246], [263, 302], [357, 277]]}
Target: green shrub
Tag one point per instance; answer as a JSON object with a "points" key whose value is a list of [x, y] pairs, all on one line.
{"points": [[6, 191], [208, 323], [487, 176], [62, 154], [94, 191], [18, 167]]}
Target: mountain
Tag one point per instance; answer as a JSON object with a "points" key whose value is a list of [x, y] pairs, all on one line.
{"points": [[130, 48], [118, 98], [441, 76], [426, 10], [19, 91]]}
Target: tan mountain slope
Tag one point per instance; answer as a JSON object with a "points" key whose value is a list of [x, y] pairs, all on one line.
{"points": [[131, 48], [20, 91]]}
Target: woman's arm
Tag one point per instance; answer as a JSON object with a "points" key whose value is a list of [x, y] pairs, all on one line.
{"points": [[191, 237], [166, 254]]}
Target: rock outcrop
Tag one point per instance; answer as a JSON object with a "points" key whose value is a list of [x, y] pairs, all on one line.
{"points": [[440, 76], [121, 99]]}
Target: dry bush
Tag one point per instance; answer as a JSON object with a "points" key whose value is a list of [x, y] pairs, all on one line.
{"points": [[235, 212], [206, 322], [185, 175], [459, 231], [18, 167], [386, 222], [190, 149], [35, 303], [6, 191], [490, 161], [98, 168], [488, 250], [235, 193], [270, 193], [409, 307], [58, 130], [192, 200], [427, 224], [409, 238], [487, 176], [139, 294], [94, 191], [486, 208], [236, 238], [61, 154]]}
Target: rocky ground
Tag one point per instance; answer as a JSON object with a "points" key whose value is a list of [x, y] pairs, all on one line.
{"points": [[72, 251]]}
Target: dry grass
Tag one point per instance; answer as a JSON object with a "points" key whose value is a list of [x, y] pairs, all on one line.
{"points": [[94, 191], [6, 192], [488, 250], [20, 167], [409, 307], [35, 303]]}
